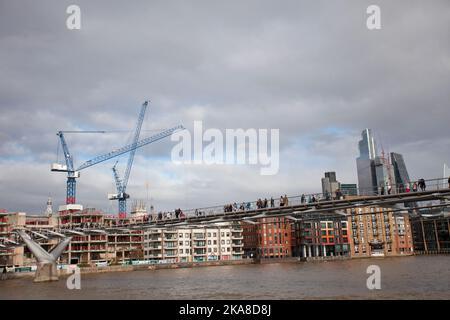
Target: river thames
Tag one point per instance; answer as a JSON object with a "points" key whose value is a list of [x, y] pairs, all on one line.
{"points": [[415, 277]]}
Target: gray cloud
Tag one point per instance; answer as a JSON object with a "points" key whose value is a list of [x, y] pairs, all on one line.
{"points": [[311, 69]]}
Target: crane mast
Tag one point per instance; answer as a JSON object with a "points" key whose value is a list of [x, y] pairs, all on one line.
{"points": [[121, 185]]}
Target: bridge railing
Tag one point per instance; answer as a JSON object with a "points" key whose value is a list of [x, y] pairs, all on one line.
{"points": [[304, 199]]}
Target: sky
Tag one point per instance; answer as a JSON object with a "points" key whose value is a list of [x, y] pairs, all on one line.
{"points": [[311, 69]]}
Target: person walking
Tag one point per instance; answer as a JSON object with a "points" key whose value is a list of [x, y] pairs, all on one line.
{"points": [[286, 201], [422, 185], [281, 201], [414, 188], [272, 202]]}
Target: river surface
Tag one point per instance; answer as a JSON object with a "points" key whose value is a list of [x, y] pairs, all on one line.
{"points": [[415, 277]]}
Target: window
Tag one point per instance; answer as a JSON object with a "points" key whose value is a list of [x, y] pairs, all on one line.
{"points": [[180, 235], [222, 234], [186, 243], [209, 242], [209, 234], [181, 251], [222, 242]]}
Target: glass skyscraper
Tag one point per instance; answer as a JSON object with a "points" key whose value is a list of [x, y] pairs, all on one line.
{"points": [[400, 171], [367, 145], [367, 178], [376, 173]]}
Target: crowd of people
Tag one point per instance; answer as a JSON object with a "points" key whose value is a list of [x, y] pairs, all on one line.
{"points": [[414, 186]]}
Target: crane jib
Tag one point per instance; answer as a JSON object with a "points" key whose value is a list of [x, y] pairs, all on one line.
{"points": [[129, 147]]}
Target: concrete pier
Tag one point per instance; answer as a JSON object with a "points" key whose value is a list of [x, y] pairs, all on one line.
{"points": [[46, 261]]}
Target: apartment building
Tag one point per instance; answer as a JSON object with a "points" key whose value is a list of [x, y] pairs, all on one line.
{"points": [[377, 231], [431, 234], [321, 238], [268, 238], [182, 244]]}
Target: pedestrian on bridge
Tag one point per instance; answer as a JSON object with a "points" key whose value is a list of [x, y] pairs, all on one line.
{"points": [[408, 189], [422, 185], [449, 182]]}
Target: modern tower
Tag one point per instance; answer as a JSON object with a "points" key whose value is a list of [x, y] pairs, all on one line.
{"points": [[400, 171], [367, 145], [365, 164]]}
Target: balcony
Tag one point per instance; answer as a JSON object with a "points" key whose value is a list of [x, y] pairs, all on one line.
{"points": [[237, 245], [236, 237], [241, 252], [170, 254], [155, 240], [170, 231], [170, 247], [153, 231], [240, 230], [170, 239], [199, 245]]}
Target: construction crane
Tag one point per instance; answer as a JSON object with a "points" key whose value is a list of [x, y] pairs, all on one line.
{"points": [[121, 185], [73, 174], [68, 167]]}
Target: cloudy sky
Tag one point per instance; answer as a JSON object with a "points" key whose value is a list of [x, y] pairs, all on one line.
{"points": [[311, 69]]}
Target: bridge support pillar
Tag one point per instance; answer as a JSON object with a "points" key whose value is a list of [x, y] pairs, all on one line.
{"points": [[46, 271], [46, 261]]}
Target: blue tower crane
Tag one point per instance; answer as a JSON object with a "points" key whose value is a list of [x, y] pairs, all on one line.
{"points": [[121, 185], [73, 174]]}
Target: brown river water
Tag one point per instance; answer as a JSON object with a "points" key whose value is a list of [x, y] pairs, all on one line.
{"points": [[415, 277]]}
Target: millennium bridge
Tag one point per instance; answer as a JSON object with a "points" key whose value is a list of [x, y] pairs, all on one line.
{"points": [[436, 196]]}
